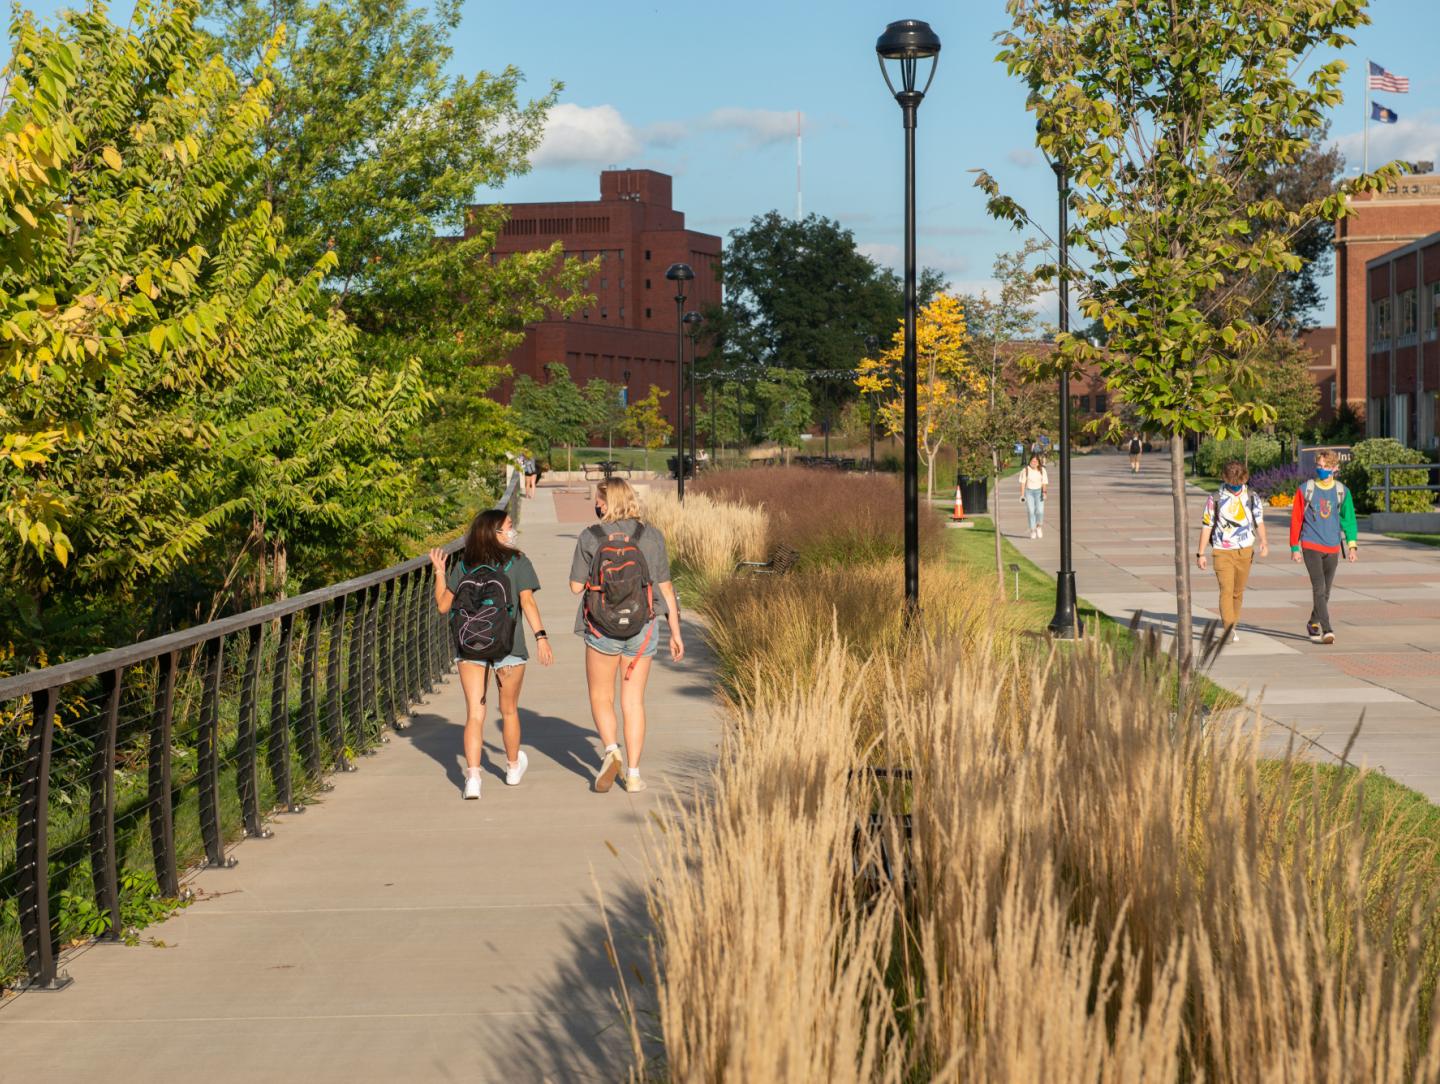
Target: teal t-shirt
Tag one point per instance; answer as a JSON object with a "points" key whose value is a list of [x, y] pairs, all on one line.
{"points": [[521, 574]]}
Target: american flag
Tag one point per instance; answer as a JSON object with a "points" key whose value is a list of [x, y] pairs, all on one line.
{"points": [[1380, 79]]}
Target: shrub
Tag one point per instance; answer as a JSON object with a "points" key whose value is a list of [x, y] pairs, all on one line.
{"points": [[1368, 485], [1214, 454], [1279, 481], [707, 536]]}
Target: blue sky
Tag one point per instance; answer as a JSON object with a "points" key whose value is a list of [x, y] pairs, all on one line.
{"points": [[709, 94]]}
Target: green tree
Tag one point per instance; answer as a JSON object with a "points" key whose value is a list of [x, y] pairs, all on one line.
{"points": [[645, 423], [555, 412], [1285, 385], [786, 408], [1166, 120]]}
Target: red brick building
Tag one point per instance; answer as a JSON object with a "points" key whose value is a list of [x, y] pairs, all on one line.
{"points": [[628, 335], [1402, 351], [1380, 224]]}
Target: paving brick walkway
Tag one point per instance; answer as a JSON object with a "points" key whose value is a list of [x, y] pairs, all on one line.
{"points": [[394, 932], [1386, 609]]}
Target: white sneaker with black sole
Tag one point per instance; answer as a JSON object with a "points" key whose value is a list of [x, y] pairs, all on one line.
{"points": [[514, 773]]}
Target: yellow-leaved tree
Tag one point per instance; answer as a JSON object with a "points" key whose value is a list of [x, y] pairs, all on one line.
{"points": [[945, 376]]}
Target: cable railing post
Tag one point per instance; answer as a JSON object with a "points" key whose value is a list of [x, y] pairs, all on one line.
{"points": [[103, 872], [385, 634], [334, 691], [374, 729], [412, 637], [37, 931], [309, 692], [279, 743], [427, 639], [355, 680], [161, 796], [211, 833], [247, 750]]}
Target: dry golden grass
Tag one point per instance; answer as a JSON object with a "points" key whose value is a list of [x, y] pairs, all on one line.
{"points": [[1095, 886], [707, 536]]}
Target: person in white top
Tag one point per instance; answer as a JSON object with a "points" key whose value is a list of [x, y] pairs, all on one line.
{"points": [[1034, 486]]}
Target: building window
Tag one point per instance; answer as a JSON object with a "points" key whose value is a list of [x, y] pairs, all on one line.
{"points": [[647, 314], [604, 283], [1434, 309], [1380, 320], [1100, 402], [1407, 313], [1085, 404], [622, 312], [604, 313], [647, 253], [647, 284]]}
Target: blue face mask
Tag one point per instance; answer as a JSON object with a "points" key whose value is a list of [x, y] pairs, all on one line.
{"points": [[1323, 473], [1234, 489]]}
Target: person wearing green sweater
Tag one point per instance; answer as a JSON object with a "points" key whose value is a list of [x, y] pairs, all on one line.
{"points": [[1321, 520]]}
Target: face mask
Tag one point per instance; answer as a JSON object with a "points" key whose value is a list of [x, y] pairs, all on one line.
{"points": [[599, 511], [1323, 473], [1234, 489], [508, 537]]}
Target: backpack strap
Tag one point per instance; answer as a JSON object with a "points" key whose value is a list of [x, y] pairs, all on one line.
{"points": [[1309, 490], [639, 530]]}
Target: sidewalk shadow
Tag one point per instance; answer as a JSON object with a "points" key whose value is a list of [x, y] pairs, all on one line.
{"points": [[568, 745], [441, 739]]}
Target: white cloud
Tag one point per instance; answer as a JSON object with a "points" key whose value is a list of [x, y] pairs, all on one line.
{"points": [[1024, 157], [759, 126], [1414, 137], [578, 135], [665, 133]]}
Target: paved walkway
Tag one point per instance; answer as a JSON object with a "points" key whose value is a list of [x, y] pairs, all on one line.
{"points": [[1386, 608], [394, 932]]}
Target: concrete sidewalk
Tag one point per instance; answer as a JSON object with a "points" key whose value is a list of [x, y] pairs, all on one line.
{"points": [[394, 931], [1386, 609]]}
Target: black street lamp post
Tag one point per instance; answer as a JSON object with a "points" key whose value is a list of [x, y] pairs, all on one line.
{"points": [[693, 320], [680, 274], [1066, 622], [906, 43]]}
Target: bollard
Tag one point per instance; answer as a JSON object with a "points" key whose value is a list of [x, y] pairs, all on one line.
{"points": [[1016, 569]]}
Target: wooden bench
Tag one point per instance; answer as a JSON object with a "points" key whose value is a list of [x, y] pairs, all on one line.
{"points": [[782, 560]]}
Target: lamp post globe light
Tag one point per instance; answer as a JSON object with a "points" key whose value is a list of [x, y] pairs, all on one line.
{"points": [[1065, 624], [693, 320], [903, 47], [680, 274]]}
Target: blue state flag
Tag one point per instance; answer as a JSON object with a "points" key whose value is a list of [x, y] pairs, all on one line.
{"points": [[1383, 114]]}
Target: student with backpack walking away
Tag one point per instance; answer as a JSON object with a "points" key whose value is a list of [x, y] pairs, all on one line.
{"points": [[1136, 447], [1234, 519], [1321, 520], [1034, 486], [489, 585], [531, 471], [621, 570]]}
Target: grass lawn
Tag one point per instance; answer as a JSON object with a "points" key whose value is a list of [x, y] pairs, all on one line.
{"points": [[1412, 536]]}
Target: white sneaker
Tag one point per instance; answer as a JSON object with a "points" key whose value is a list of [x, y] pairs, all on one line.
{"points": [[472, 785], [1039, 532], [514, 774], [1032, 532], [1235, 636]]}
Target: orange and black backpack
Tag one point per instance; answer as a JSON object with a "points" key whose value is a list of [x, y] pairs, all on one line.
{"points": [[619, 597]]}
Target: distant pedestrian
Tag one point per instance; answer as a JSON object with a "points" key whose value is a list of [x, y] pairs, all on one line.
{"points": [[1041, 447], [622, 571], [531, 470], [1136, 447], [1322, 520], [1034, 486], [1234, 521], [489, 585]]}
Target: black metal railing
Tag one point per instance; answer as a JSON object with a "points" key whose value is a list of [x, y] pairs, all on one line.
{"points": [[142, 761]]}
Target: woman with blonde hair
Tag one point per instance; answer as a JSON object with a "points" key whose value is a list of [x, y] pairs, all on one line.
{"points": [[621, 570]]}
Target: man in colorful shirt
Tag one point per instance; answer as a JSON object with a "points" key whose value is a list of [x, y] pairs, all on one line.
{"points": [[1322, 516], [1234, 518]]}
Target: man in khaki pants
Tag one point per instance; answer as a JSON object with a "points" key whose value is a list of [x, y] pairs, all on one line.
{"points": [[1234, 519]]}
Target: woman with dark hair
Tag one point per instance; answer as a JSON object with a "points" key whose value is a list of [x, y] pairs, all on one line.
{"points": [[490, 551]]}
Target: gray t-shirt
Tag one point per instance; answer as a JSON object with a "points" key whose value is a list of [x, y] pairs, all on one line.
{"points": [[521, 574], [651, 544]]}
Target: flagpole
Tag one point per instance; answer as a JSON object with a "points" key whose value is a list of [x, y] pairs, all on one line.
{"points": [[1367, 116]]}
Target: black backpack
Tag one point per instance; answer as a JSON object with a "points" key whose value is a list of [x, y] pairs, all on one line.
{"points": [[482, 615], [619, 597], [1134, 446]]}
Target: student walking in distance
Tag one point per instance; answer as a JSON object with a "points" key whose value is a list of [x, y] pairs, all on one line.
{"points": [[1234, 520], [1136, 447], [1322, 519], [622, 571], [489, 586], [1034, 486], [531, 470]]}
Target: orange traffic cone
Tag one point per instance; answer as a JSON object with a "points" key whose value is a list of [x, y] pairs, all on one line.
{"points": [[959, 513]]}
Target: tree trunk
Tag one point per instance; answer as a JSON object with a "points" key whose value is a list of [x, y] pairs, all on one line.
{"points": [[1182, 564], [995, 517], [930, 478]]}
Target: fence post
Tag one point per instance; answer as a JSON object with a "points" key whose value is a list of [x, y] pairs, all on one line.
{"points": [[386, 634], [1386, 468], [209, 756], [334, 692], [32, 858], [103, 872], [355, 679], [412, 637], [309, 704], [279, 744], [427, 640], [247, 753], [162, 816], [375, 731]]}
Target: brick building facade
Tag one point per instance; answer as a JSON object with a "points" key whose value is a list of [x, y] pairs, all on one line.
{"points": [[1403, 343], [628, 335]]}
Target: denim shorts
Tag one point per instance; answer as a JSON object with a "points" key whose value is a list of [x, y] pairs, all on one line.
{"points": [[630, 647], [504, 664]]}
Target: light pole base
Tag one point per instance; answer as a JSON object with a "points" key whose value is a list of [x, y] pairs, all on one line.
{"points": [[1065, 625]]}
